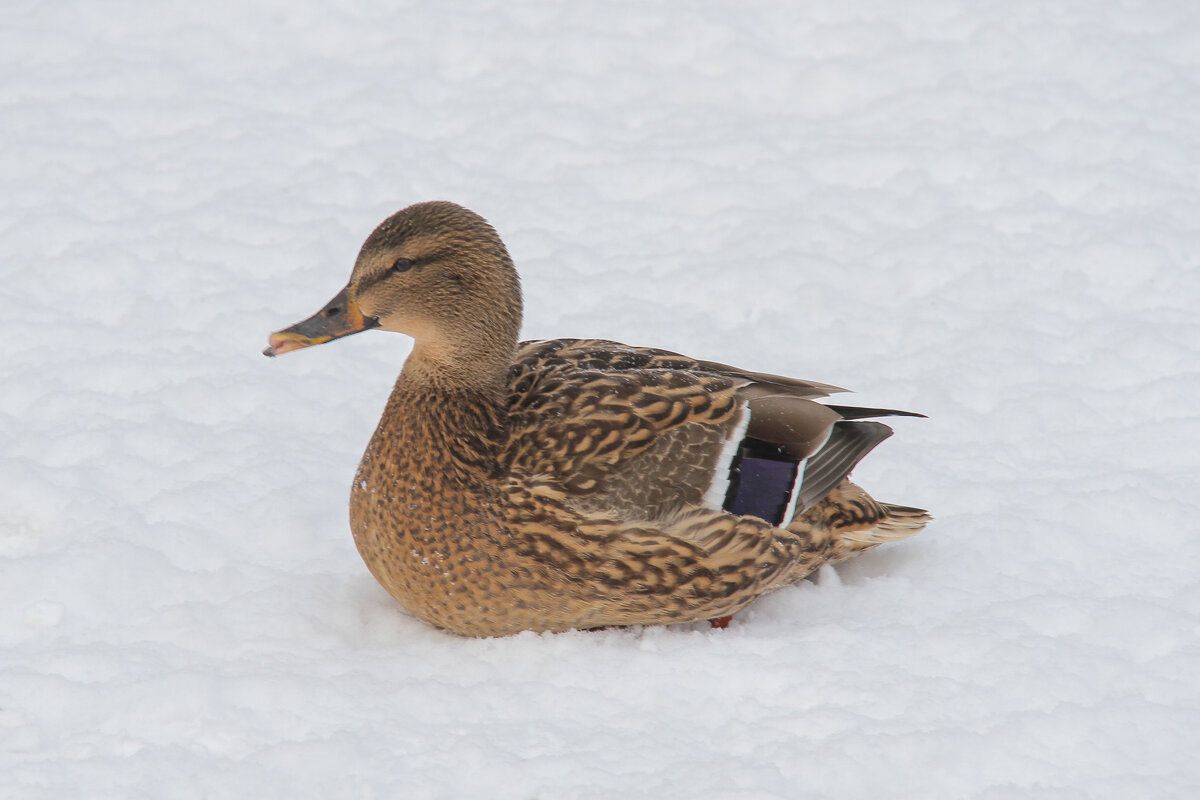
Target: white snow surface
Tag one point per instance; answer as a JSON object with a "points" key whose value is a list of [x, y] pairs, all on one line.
{"points": [[987, 212]]}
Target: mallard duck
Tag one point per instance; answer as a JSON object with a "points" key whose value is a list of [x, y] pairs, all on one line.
{"points": [[579, 483]]}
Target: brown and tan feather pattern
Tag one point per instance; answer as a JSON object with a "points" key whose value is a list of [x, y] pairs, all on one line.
{"points": [[577, 483], [586, 407]]}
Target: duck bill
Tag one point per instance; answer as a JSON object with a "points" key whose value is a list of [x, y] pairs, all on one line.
{"points": [[340, 317]]}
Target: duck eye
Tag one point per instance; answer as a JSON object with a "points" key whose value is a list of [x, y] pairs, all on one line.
{"points": [[402, 265]]}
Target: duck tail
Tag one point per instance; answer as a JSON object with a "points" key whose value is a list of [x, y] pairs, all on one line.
{"points": [[849, 521], [898, 522]]}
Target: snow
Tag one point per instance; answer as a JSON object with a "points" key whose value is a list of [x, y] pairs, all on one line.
{"points": [[986, 212]]}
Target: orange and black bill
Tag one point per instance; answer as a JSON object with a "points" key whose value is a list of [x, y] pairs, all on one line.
{"points": [[341, 316]]}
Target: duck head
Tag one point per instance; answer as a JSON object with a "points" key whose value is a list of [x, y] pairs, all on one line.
{"points": [[436, 272]]}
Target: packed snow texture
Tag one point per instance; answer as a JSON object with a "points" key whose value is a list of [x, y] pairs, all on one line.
{"points": [[986, 212]]}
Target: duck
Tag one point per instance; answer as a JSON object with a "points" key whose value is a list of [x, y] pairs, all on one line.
{"points": [[579, 484]]}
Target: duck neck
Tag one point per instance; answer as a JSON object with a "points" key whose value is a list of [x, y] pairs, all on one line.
{"points": [[439, 365], [449, 399]]}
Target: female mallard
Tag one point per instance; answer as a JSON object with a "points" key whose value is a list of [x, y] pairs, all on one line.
{"points": [[579, 483]]}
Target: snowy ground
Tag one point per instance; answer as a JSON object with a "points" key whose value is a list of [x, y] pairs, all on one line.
{"points": [[987, 212]]}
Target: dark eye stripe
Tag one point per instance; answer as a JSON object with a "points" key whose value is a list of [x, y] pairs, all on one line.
{"points": [[409, 264]]}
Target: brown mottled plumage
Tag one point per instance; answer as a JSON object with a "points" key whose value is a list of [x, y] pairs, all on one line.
{"points": [[576, 483]]}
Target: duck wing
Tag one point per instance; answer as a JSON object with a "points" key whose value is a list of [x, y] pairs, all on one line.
{"points": [[643, 433]]}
